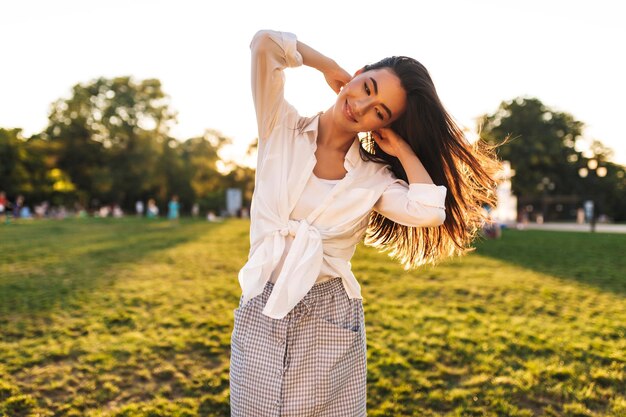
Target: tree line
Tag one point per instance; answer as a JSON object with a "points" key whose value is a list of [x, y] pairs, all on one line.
{"points": [[110, 143], [551, 173]]}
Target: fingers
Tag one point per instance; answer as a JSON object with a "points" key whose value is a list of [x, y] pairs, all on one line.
{"points": [[387, 133]]}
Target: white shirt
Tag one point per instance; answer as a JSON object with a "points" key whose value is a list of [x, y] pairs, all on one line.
{"points": [[285, 162], [314, 191]]}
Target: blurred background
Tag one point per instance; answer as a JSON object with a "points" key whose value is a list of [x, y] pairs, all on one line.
{"points": [[126, 125], [119, 103]]}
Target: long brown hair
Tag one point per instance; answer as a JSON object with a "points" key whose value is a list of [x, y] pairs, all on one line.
{"points": [[468, 170]]}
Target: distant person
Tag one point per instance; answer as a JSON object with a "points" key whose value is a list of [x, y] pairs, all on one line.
{"points": [[195, 210], [153, 209], [104, 211], [17, 207], [580, 215], [173, 208], [4, 206], [62, 213], [522, 223], [80, 211], [491, 227], [139, 208], [25, 213], [117, 211], [41, 210]]}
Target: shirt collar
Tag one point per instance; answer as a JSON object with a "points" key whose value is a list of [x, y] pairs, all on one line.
{"points": [[352, 157]]}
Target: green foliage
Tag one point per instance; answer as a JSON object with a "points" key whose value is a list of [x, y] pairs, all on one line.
{"points": [[106, 318], [25, 167], [109, 143], [110, 135], [542, 151], [542, 144]]}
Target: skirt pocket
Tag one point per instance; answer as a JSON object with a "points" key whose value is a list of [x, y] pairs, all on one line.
{"points": [[338, 339], [340, 312], [240, 321]]}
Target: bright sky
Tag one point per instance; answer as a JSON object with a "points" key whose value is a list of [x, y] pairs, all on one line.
{"points": [[569, 54]]}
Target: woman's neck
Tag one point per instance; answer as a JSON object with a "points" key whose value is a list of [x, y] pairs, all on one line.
{"points": [[330, 136]]}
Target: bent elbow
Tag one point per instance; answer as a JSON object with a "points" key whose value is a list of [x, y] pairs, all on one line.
{"points": [[261, 40]]}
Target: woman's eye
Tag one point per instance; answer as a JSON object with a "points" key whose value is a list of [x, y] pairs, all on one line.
{"points": [[367, 89], [380, 115]]}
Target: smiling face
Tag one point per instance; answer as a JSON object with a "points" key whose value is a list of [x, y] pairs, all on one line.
{"points": [[371, 100]]}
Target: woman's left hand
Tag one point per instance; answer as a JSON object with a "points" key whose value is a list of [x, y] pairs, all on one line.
{"points": [[390, 142]]}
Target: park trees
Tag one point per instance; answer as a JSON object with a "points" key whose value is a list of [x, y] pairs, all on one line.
{"points": [[26, 168], [109, 136], [543, 149], [109, 142]]}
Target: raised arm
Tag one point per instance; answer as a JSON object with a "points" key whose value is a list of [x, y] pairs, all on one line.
{"points": [[272, 52], [336, 77]]}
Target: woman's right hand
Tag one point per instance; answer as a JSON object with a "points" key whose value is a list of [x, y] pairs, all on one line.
{"points": [[337, 77]]}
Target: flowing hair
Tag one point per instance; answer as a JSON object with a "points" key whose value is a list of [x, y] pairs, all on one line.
{"points": [[469, 172]]}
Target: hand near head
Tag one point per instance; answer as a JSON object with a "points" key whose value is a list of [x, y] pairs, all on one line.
{"points": [[337, 77], [390, 142]]}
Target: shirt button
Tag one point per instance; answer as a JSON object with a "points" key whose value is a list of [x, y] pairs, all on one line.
{"points": [[277, 403]]}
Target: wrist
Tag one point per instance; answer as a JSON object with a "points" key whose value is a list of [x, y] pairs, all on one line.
{"points": [[406, 153], [415, 170]]}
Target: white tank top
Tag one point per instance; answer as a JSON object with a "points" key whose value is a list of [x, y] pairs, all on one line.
{"points": [[314, 191]]}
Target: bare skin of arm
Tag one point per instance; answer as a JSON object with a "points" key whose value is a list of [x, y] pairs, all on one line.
{"points": [[336, 77]]}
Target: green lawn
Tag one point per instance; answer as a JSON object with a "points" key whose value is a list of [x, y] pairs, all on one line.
{"points": [[131, 317]]}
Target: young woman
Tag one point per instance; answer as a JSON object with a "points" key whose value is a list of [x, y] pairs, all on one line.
{"points": [[413, 186]]}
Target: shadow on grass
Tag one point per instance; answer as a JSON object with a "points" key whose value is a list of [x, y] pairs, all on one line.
{"points": [[46, 262], [596, 259]]}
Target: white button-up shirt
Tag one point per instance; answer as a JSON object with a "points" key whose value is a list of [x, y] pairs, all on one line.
{"points": [[286, 158]]}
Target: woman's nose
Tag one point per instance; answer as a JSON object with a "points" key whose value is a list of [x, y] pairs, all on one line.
{"points": [[359, 107]]}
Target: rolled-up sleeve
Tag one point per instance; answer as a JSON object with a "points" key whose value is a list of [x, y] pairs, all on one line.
{"points": [[414, 205], [272, 52]]}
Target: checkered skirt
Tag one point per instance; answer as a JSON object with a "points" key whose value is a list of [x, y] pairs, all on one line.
{"points": [[310, 363]]}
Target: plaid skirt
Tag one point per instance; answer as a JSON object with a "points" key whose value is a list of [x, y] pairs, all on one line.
{"points": [[312, 362]]}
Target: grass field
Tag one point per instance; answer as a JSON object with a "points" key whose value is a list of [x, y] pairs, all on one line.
{"points": [[130, 317]]}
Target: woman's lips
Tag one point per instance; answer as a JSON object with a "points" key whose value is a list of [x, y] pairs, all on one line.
{"points": [[348, 112]]}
